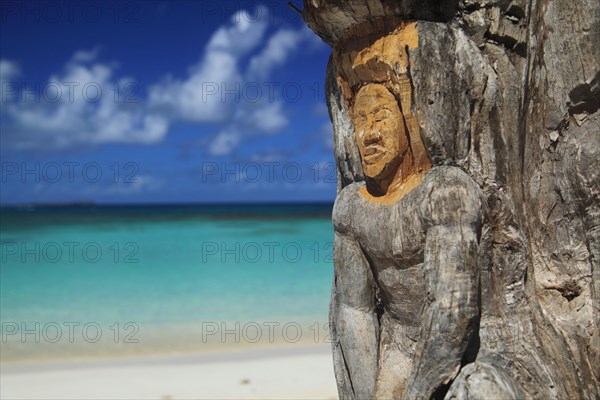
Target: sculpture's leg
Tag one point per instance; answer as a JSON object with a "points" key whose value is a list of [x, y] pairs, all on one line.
{"points": [[342, 377], [396, 352], [353, 316], [483, 381]]}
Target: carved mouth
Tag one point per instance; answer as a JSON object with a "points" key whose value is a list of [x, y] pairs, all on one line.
{"points": [[374, 150]]}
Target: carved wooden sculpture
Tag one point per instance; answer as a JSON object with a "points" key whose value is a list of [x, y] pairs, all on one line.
{"points": [[468, 212]]}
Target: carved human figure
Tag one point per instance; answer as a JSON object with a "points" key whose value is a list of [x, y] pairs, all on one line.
{"points": [[380, 137], [405, 300], [438, 108]]}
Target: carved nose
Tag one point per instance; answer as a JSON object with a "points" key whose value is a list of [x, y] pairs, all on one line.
{"points": [[373, 137]]}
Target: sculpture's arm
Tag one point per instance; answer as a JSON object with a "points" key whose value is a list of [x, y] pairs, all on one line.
{"points": [[451, 312], [354, 318]]}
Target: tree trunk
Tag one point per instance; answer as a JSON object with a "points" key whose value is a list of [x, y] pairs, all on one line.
{"points": [[503, 96]]}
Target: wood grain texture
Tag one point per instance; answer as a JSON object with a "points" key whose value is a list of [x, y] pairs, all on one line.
{"points": [[483, 281]]}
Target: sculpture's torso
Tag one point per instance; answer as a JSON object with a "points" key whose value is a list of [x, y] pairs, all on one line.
{"points": [[392, 239]]}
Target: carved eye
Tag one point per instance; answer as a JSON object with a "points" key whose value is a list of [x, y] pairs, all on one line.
{"points": [[381, 115]]}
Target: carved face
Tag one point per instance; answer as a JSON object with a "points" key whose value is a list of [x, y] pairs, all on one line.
{"points": [[380, 132]]}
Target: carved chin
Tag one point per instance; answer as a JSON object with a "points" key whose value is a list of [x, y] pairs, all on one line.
{"points": [[382, 169], [373, 170]]}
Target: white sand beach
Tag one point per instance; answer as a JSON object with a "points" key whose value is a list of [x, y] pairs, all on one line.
{"points": [[303, 371]]}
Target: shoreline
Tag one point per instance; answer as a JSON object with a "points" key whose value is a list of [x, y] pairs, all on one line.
{"points": [[296, 371], [212, 355], [175, 342]]}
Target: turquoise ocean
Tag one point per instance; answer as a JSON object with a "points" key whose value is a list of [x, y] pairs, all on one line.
{"points": [[117, 280]]}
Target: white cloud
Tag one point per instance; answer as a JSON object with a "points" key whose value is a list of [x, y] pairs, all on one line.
{"points": [[224, 143], [279, 48], [9, 70], [85, 56], [209, 93], [259, 118], [202, 97], [79, 106], [268, 118], [241, 36], [263, 117]]}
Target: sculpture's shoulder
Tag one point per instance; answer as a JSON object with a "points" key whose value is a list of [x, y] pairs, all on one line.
{"points": [[345, 206], [450, 195]]}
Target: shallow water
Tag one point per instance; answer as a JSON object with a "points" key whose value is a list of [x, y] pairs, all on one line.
{"points": [[157, 273]]}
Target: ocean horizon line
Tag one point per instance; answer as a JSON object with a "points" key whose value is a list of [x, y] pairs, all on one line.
{"points": [[89, 204]]}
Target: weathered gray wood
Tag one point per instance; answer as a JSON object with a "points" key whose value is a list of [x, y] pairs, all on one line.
{"points": [[483, 281]]}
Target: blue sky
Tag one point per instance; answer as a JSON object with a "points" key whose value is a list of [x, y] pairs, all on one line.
{"points": [[162, 102]]}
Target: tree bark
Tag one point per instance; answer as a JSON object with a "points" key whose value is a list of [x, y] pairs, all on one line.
{"points": [[505, 95]]}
